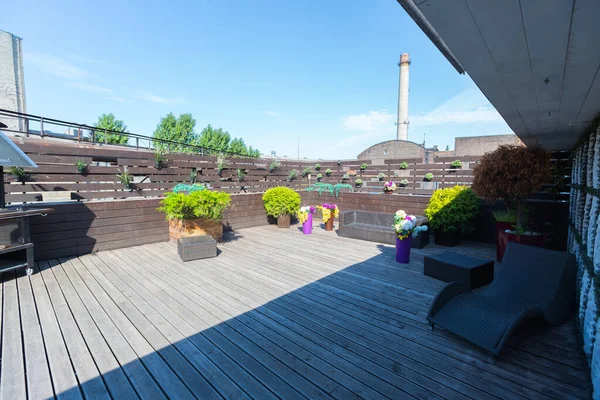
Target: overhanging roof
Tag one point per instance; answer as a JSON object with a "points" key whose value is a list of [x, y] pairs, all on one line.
{"points": [[537, 61]]}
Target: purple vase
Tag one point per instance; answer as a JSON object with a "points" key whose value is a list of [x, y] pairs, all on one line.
{"points": [[307, 225], [403, 250]]}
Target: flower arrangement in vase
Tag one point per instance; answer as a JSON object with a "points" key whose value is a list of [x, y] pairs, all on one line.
{"points": [[406, 228], [329, 213], [389, 187], [305, 215]]}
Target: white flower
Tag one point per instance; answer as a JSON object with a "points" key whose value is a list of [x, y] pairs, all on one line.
{"points": [[401, 214]]}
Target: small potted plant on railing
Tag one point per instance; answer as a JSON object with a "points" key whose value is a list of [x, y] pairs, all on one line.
{"points": [[428, 177], [81, 166], [282, 203], [195, 211], [18, 173], [451, 212], [328, 172], [292, 175], [406, 228], [193, 175], [159, 160], [319, 177], [221, 164], [363, 167], [403, 171], [381, 176], [358, 182], [273, 166], [403, 183], [456, 164], [329, 212], [427, 182], [345, 177], [389, 187], [241, 174], [125, 178], [306, 171], [305, 216], [403, 165], [317, 167]]}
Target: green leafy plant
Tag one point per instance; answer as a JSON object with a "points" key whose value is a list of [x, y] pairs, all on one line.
{"points": [[456, 164], [241, 174], [292, 175], [184, 187], [319, 177], [193, 175], [381, 176], [507, 215], [452, 210], [403, 182], [317, 167], [328, 172], [345, 177], [428, 177], [358, 182], [306, 171], [159, 160], [18, 173], [328, 187], [196, 204], [274, 165], [221, 164], [363, 166], [81, 166], [125, 177], [280, 200], [403, 165]]}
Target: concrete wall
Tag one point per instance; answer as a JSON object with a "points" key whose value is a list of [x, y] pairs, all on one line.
{"points": [[584, 242], [12, 81], [479, 145], [393, 149]]}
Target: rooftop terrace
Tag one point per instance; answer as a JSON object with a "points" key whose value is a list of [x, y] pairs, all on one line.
{"points": [[276, 315]]}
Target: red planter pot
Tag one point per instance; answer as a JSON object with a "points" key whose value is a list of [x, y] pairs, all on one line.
{"points": [[500, 247], [329, 224], [530, 240], [446, 239]]}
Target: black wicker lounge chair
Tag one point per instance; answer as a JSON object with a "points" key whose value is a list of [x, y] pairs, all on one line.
{"points": [[531, 282]]}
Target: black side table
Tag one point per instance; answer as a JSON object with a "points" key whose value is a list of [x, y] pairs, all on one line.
{"points": [[453, 267]]}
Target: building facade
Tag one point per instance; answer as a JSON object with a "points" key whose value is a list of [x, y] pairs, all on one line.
{"points": [[12, 80]]}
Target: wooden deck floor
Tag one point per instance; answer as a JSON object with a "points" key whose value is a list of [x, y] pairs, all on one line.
{"points": [[276, 315]]}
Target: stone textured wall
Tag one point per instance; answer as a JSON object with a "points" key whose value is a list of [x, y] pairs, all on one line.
{"points": [[479, 145], [584, 242], [12, 82], [393, 149]]}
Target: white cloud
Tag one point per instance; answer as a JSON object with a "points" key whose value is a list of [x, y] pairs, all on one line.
{"points": [[270, 113], [55, 66], [116, 98], [88, 87], [145, 96], [369, 122], [467, 107]]}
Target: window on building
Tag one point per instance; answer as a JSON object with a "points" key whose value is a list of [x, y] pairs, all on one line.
{"points": [[385, 152]]}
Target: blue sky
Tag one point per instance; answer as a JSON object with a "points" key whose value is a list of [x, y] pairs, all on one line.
{"points": [[269, 71]]}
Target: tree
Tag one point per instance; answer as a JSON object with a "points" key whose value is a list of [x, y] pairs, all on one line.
{"points": [[213, 140], [238, 147], [447, 147], [254, 153], [180, 130], [110, 123]]}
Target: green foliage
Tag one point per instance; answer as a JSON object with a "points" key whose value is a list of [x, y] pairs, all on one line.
{"points": [[179, 130], [508, 215], [292, 175], [274, 165], [160, 160], [18, 172], [110, 123], [196, 204], [215, 140], [328, 187], [319, 177], [403, 165], [238, 146], [456, 164], [381, 176], [184, 187], [345, 177], [328, 172], [403, 182], [363, 166], [306, 171], [358, 182], [221, 164], [241, 174], [428, 177], [81, 166], [280, 201], [453, 209], [125, 177], [317, 167], [193, 175]]}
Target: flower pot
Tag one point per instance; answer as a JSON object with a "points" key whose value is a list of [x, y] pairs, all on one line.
{"points": [[389, 192], [195, 227], [283, 221], [500, 247], [530, 240], [403, 249], [307, 225], [329, 224], [446, 239]]}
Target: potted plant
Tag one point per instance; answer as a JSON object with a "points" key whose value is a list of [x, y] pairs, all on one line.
{"points": [[159, 160], [406, 228], [358, 182], [221, 164], [456, 164], [125, 177], [241, 174], [319, 177], [273, 166], [512, 173], [306, 171], [292, 175], [381, 176], [195, 211], [345, 177], [281, 202], [403, 183], [81, 166], [451, 212], [18, 173], [505, 220], [193, 175], [363, 167], [328, 172], [317, 167], [428, 177], [403, 169], [329, 212], [389, 187], [403, 165], [305, 216]]}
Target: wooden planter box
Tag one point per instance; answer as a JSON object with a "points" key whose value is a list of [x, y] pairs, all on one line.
{"points": [[195, 227], [530, 240]]}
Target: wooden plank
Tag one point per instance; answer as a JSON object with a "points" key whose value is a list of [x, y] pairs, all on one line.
{"points": [[12, 382]]}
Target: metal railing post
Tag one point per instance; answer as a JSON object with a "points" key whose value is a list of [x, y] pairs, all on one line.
{"points": [[41, 126], [105, 138], [137, 142], [26, 127], [93, 132], [79, 133]]}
